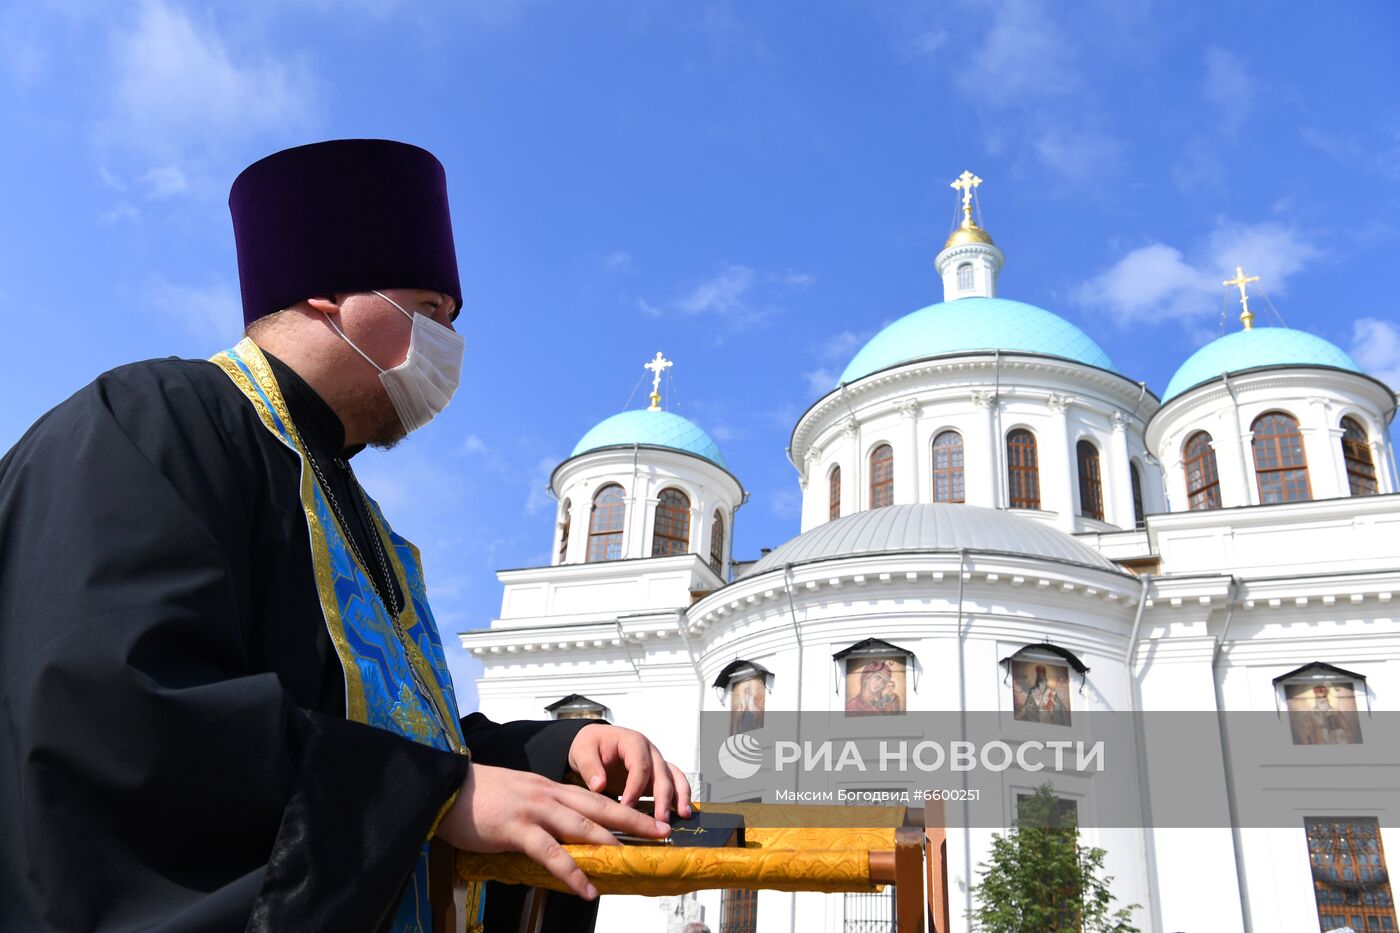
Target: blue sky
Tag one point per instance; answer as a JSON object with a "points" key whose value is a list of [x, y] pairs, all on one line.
{"points": [[752, 188]]}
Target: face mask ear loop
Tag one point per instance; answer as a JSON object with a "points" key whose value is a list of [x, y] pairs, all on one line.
{"points": [[336, 327], [392, 302]]}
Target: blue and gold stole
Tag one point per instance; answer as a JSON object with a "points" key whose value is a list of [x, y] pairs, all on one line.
{"points": [[395, 680]]}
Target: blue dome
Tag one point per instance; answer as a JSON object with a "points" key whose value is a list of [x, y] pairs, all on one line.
{"points": [[651, 429], [1252, 349], [969, 325]]}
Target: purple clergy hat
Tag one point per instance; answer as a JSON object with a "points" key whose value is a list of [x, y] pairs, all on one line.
{"points": [[348, 215]]}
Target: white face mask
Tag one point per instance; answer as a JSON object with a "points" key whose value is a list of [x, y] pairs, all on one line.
{"points": [[421, 386]]}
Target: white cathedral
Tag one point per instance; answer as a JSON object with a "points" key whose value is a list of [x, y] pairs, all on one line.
{"points": [[995, 518]]}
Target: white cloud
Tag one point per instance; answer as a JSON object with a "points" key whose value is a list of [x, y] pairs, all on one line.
{"points": [[472, 445], [618, 260], [165, 181], [212, 310], [1079, 155], [723, 293], [786, 503], [1021, 69], [724, 433], [1023, 55], [796, 279], [177, 86], [1375, 345], [1272, 251], [1228, 88], [1159, 282], [537, 496], [820, 381], [119, 212], [1199, 165], [736, 295], [842, 346]]}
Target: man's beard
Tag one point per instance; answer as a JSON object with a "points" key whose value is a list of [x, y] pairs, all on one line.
{"points": [[373, 408]]}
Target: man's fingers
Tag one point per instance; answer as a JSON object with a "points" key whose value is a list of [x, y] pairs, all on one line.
{"points": [[637, 758], [569, 825], [545, 849], [612, 815], [661, 786], [589, 765], [682, 791]]}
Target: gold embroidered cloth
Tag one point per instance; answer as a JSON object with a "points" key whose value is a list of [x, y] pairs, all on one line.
{"points": [[786, 853]]}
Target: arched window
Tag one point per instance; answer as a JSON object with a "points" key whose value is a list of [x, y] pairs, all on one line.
{"points": [[1139, 513], [1202, 478], [717, 544], [605, 524], [1356, 451], [1090, 481], [564, 532], [833, 485], [671, 532], [1022, 469], [881, 476], [948, 467], [1279, 464], [965, 277]]}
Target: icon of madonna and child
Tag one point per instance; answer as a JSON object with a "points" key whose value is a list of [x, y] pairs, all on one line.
{"points": [[875, 686]]}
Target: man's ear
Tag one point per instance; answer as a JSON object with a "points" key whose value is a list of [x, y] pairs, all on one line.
{"points": [[326, 305]]}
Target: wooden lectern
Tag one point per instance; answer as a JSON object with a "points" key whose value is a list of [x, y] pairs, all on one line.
{"points": [[787, 848]]}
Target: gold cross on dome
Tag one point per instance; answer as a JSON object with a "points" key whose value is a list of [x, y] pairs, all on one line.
{"points": [[657, 367], [1240, 281], [965, 183]]}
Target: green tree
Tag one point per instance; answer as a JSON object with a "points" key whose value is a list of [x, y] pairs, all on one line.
{"points": [[1040, 879]]}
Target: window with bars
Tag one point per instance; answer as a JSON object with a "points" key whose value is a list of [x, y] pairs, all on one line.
{"points": [[1349, 875], [1139, 513], [671, 530], [1356, 451], [948, 467], [1279, 464], [1022, 469], [965, 277], [1090, 481], [605, 524], [738, 911], [869, 912], [717, 544], [833, 485], [564, 532], [882, 476], [1202, 477]]}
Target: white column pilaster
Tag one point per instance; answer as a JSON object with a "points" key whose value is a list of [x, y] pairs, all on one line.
{"points": [[982, 467], [910, 491], [1058, 470], [1116, 470]]}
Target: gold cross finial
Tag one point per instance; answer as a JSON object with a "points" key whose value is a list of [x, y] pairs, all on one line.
{"points": [[657, 367], [965, 183], [1240, 281]]}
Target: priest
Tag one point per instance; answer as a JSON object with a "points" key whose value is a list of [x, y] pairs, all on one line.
{"points": [[226, 704]]}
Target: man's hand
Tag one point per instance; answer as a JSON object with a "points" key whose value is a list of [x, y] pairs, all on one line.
{"points": [[621, 761], [500, 810]]}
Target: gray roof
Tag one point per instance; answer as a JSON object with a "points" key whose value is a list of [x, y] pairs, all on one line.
{"points": [[939, 526]]}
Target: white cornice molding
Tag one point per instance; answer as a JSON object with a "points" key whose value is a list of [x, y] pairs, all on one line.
{"points": [[867, 576], [1191, 404], [619, 460], [932, 382]]}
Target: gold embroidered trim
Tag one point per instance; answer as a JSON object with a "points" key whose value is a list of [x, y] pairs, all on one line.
{"points": [[356, 707]]}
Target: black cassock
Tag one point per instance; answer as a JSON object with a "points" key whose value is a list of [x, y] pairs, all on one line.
{"points": [[173, 748]]}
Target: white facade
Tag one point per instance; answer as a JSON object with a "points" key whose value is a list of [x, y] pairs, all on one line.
{"points": [[1198, 611]]}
